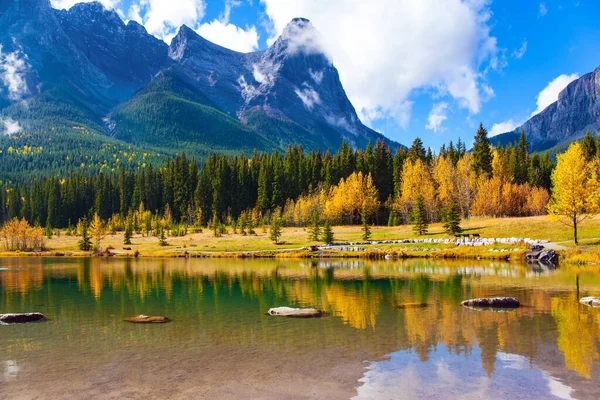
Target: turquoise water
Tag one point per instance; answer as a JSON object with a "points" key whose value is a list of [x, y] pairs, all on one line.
{"points": [[221, 344]]}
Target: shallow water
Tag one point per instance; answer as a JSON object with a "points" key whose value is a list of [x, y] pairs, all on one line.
{"points": [[222, 345]]}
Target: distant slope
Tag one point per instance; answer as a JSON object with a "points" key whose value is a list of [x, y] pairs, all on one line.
{"points": [[170, 113], [576, 111]]}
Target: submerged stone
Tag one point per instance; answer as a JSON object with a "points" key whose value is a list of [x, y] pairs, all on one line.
{"points": [[146, 319], [295, 312], [492, 302], [21, 318], [590, 301]]}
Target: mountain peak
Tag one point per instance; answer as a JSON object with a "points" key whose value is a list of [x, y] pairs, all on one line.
{"points": [[299, 36]]}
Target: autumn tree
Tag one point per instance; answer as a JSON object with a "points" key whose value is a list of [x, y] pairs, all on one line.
{"points": [[575, 189], [97, 231]]}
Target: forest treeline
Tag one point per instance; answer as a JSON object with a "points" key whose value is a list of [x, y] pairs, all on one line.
{"points": [[343, 188]]}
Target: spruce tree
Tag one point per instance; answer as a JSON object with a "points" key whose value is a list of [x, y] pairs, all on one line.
{"points": [[128, 233], [162, 239], [327, 235], [314, 231], [589, 146], [366, 229], [85, 244], [275, 230], [482, 152], [451, 218], [419, 217]]}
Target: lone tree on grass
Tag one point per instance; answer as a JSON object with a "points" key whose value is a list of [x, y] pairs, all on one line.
{"points": [[85, 244], [451, 218], [162, 239], [327, 235], [366, 229], [275, 230], [419, 217], [575, 189], [314, 231], [97, 231], [128, 233]]}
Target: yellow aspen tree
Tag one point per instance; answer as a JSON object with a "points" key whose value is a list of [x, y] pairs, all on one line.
{"points": [[97, 230], [444, 176], [575, 189], [417, 181], [466, 184]]}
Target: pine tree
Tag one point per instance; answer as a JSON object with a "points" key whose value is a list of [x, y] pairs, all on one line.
{"points": [[85, 244], [589, 146], [162, 239], [366, 230], [451, 218], [275, 230], [128, 233], [327, 235], [482, 153], [314, 232], [419, 217]]}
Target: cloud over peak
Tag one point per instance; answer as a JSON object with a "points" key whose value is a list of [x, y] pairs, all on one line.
{"points": [[385, 50]]}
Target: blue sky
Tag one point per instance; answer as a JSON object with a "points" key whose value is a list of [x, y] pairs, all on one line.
{"points": [[432, 68]]}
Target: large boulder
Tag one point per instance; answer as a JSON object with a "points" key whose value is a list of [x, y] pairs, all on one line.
{"points": [[590, 301], [146, 319], [492, 302], [295, 312], [21, 318]]}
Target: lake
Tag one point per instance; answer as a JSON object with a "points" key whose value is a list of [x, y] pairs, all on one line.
{"points": [[220, 343]]}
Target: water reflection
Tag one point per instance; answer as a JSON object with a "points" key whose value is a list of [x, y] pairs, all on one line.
{"points": [[219, 305]]}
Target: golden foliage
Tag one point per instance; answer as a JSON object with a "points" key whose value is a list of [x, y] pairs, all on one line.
{"points": [[347, 199], [19, 235]]}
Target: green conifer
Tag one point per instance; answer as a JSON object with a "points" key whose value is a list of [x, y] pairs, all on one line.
{"points": [[419, 217]]}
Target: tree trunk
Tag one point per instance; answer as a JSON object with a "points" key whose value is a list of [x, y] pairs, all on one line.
{"points": [[575, 229]]}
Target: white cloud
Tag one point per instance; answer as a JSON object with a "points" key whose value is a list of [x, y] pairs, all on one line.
{"points": [[543, 9], [505, 126], [550, 93], [520, 52], [162, 18], [384, 50], [230, 36], [9, 126], [66, 4], [13, 67], [308, 96], [437, 116]]}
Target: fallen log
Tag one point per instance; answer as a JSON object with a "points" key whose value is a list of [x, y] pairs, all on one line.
{"points": [[492, 302], [21, 318], [145, 319], [295, 312], [590, 301]]}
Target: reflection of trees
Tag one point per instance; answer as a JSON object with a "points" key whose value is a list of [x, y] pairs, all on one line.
{"points": [[578, 333], [231, 297]]}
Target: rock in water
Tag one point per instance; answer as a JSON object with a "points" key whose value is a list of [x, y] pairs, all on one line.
{"points": [[493, 302], [145, 319], [21, 318], [590, 301], [295, 312]]}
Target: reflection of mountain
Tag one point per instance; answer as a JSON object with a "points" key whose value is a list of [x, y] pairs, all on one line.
{"points": [[208, 298]]}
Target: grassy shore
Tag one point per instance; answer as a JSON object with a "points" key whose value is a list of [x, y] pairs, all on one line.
{"points": [[293, 240]]}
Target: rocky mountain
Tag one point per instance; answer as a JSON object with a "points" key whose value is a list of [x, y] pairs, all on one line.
{"points": [[576, 111], [86, 67]]}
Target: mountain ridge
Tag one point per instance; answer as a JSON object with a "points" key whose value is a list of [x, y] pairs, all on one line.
{"points": [[87, 66], [576, 111]]}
